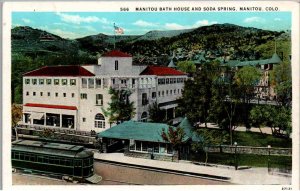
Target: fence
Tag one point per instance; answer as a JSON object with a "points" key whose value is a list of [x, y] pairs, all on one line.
{"points": [[250, 150]]}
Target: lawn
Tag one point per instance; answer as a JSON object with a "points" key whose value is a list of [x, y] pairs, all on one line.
{"points": [[283, 162], [260, 140], [254, 139]]}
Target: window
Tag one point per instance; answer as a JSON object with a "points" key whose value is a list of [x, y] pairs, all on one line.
{"points": [[99, 121], [64, 82], [65, 95], [159, 94], [83, 82], [144, 99], [99, 99], [170, 92], [138, 145], [73, 82], [41, 93], [156, 147], [41, 81], [116, 65], [56, 94], [83, 119], [48, 81], [167, 92], [34, 81], [113, 81], [56, 81], [33, 93], [153, 95], [178, 91], [167, 81], [27, 93], [163, 93], [91, 82], [98, 83], [73, 95], [83, 96], [48, 94], [27, 81]]}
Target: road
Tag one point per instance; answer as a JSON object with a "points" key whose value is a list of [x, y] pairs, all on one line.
{"points": [[121, 175]]}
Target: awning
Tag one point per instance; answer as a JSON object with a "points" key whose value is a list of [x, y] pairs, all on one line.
{"points": [[37, 116], [94, 179]]}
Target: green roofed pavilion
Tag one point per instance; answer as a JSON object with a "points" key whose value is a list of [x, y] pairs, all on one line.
{"points": [[144, 131]]}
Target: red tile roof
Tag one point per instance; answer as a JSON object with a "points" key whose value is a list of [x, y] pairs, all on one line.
{"points": [[161, 71], [116, 53], [51, 106], [60, 71]]}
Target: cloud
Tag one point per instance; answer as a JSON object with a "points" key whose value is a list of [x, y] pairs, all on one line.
{"points": [[142, 23], [65, 34], [175, 26], [27, 21], [277, 19], [254, 20], [204, 23], [76, 19]]}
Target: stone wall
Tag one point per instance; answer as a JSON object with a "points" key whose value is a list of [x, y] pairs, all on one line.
{"points": [[250, 150]]}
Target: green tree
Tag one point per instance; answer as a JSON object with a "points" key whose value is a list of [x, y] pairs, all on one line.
{"points": [[246, 79], [278, 118], [208, 137], [156, 114], [281, 78], [186, 66], [197, 94], [120, 108], [175, 136], [261, 115], [224, 101]]}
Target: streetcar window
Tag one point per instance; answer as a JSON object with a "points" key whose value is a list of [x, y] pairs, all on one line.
{"points": [[39, 159], [91, 161], [78, 163], [86, 162], [68, 163], [27, 157], [45, 160], [21, 156], [17, 156], [32, 158], [62, 162]]}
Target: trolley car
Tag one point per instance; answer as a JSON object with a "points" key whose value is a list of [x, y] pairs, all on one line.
{"points": [[55, 159]]}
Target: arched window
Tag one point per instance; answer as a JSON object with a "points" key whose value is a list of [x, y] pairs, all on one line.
{"points": [[99, 121], [144, 117]]}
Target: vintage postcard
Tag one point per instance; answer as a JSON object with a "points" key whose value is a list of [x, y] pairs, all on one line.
{"points": [[151, 93]]}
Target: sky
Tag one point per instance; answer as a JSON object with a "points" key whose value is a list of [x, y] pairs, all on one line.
{"points": [[79, 24]]}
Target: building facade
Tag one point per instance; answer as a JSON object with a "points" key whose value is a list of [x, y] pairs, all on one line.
{"points": [[75, 97]]}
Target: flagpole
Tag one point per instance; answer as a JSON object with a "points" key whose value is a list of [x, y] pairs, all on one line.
{"points": [[115, 36]]}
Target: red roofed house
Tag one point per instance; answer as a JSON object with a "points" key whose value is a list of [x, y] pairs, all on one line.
{"points": [[72, 97]]}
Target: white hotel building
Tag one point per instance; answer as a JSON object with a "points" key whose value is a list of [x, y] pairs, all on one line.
{"points": [[73, 97]]}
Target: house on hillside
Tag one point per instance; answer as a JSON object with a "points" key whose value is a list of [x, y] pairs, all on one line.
{"points": [[144, 140], [73, 97]]}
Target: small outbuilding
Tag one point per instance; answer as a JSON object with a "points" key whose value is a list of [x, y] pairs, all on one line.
{"points": [[144, 140]]}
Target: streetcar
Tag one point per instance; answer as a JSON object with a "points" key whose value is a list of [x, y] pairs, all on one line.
{"points": [[70, 162]]}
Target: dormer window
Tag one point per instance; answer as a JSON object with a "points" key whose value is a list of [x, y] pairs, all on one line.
{"points": [[116, 65]]}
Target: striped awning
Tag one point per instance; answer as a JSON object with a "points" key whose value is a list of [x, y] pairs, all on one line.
{"points": [[36, 115]]}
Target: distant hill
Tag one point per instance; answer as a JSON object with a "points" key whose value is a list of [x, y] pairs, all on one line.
{"points": [[155, 35]]}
